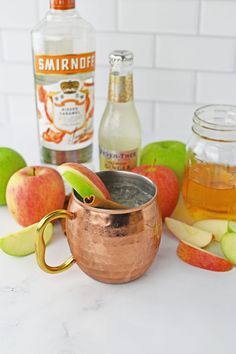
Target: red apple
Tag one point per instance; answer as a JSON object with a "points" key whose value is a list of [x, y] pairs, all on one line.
{"points": [[201, 258], [167, 184], [33, 192]]}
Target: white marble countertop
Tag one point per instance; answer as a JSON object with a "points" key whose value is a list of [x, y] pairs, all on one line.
{"points": [[173, 309]]}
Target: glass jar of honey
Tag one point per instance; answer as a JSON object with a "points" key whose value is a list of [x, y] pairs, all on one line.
{"points": [[209, 183]]}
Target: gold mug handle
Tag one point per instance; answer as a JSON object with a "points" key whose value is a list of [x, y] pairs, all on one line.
{"points": [[40, 247]]}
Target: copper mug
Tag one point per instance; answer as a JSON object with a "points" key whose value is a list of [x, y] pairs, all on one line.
{"points": [[112, 246]]}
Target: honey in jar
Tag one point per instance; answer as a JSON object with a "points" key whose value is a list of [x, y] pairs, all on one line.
{"points": [[209, 183], [209, 191]]}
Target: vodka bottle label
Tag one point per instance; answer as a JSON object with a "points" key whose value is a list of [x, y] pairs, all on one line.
{"points": [[65, 106]]}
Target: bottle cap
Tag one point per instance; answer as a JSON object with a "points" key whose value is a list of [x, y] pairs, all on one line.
{"points": [[121, 56], [62, 4]]}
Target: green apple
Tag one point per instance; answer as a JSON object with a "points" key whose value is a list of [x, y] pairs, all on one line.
{"points": [[10, 162], [167, 153], [22, 242]]}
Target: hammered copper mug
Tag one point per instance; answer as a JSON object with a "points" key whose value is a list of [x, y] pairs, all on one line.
{"points": [[112, 246]]}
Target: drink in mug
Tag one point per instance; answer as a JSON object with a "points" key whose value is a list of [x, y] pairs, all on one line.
{"points": [[113, 246]]}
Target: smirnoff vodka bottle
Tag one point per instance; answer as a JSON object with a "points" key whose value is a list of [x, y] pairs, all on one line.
{"points": [[64, 63], [119, 132]]}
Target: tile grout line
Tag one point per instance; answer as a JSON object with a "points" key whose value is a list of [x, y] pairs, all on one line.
{"points": [[117, 15], [37, 9], [195, 86], [199, 19], [137, 33], [154, 42], [234, 65], [7, 103], [2, 48], [153, 125], [177, 70]]}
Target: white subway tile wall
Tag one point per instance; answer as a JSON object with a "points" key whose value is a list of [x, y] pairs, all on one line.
{"points": [[185, 56]]}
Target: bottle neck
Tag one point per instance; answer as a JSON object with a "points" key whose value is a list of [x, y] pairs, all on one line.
{"points": [[120, 87], [62, 5]]}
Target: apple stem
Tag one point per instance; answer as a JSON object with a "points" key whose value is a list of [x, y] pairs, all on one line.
{"points": [[33, 171]]}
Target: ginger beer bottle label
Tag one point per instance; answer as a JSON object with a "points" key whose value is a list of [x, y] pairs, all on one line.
{"points": [[65, 100], [118, 160]]}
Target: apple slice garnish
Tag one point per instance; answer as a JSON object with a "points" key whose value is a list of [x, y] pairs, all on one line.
{"points": [[83, 180], [22, 242], [217, 227], [228, 246], [202, 259], [190, 234]]}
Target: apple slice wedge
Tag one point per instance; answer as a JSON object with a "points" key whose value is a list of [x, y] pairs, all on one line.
{"points": [[215, 248], [217, 227], [202, 259], [228, 245], [184, 232], [22, 242], [83, 180], [232, 226]]}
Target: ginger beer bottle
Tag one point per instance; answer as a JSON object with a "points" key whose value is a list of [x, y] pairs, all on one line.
{"points": [[64, 63], [119, 132]]}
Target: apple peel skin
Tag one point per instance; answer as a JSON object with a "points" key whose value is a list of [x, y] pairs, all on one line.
{"points": [[33, 192], [187, 233], [200, 258], [83, 180]]}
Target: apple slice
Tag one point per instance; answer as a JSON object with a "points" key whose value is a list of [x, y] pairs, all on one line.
{"points": [[22, 242], [200, 258], [83, 180], [184, 232], [228, 245], [215, 248], [217, 227], [232, 226]]}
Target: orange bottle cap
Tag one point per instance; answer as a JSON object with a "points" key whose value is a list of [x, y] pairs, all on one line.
{"points": [[62, 4]]}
